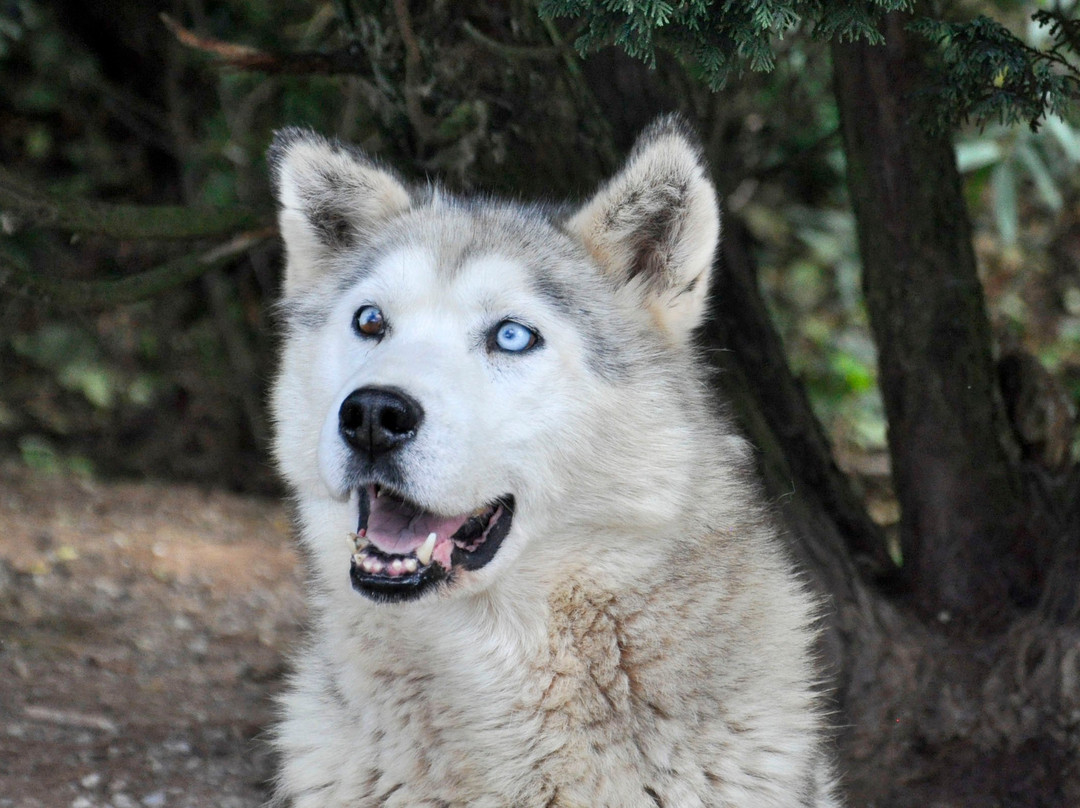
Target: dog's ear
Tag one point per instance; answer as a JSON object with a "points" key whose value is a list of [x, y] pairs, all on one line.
{"points": [[330, 197], [655, 225]]}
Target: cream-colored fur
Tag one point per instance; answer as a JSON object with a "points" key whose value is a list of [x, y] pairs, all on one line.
{"points": [[639, 639]]}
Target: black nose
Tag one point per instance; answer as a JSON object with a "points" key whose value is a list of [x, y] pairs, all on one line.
{"points": [[377, 419]]}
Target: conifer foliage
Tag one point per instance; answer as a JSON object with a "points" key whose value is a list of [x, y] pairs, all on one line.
{"points": [[986, 73]]}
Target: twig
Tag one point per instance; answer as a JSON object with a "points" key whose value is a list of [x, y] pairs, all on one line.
{"points": [[130, 289], [344, 11], [239, 350], [69, 718], [570, 57], [594, 119], [244, 57], [513, 52], [413, 65], [22, 203], [408, 35]]}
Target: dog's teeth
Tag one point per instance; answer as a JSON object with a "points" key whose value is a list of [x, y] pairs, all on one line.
{"points": [[396, 566], [426, 549], [357, 541], [411, 564]]}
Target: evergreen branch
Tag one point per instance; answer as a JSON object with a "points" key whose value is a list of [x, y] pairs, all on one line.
{"points": [[344, 61], [22, 203], [1064, 29], [987, 73], [715, 40], [1066, 36], [133, 288]]}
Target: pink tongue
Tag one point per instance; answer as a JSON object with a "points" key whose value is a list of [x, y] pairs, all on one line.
{"points": [[398, 529]]}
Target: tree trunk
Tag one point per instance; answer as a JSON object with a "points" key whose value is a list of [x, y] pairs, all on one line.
{"points": [[772, 404], [928, 715], [953, 459]]}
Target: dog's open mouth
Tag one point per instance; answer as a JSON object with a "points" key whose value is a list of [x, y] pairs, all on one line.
{"points": [[400, 550]]}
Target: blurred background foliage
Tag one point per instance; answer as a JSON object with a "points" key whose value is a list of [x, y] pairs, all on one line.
{"points": [[100, 100]]}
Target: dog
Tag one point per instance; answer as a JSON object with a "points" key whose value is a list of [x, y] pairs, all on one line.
{"points": [[542, 574]]}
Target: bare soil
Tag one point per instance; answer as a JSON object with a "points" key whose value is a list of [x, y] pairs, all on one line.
{"points": [[143, 629]]}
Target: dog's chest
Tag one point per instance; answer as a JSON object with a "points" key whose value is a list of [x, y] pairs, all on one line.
{"points": [[576, 712]]}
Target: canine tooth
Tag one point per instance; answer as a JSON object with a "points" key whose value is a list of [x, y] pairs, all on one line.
{"points": [[411, 564], [426, 549]]}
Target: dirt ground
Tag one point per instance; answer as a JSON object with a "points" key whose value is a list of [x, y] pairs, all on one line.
{"points": [[143, 631]]}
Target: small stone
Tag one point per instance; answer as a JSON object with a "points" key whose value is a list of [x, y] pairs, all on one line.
{"points": [[91, 780], [155, 799]]}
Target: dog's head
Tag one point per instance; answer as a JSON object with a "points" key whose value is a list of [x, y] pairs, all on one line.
{"points": [[462, 379]]}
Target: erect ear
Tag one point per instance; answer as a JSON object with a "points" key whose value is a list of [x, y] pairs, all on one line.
{"points": [[655, 225], [330, 197]]}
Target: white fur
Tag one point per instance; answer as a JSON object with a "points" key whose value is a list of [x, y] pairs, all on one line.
{"points": [[639, 639], [663, 170]]}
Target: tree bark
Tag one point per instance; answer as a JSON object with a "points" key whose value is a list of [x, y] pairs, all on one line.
{"points": [[953, 458], [772, 404]]}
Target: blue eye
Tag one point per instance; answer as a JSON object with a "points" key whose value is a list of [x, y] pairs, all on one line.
{"points": [[513, 337], [368, 321]]}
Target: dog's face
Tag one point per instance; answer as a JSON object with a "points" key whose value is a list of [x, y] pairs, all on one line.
{"points": [[451, 369]]}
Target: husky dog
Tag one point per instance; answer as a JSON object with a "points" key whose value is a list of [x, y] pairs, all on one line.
{"points": [[541, 572]]}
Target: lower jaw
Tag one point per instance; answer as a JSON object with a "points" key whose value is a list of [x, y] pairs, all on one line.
{"points": [[410, 586]]}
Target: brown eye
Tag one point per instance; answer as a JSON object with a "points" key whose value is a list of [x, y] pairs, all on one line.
{"points": [[368, 321]]}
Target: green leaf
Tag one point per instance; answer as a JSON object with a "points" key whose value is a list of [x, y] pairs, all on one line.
{"points": [[975, 154], [38, 454], [1006, 211], [1040, 174], [95, 382], [1066, 137]]}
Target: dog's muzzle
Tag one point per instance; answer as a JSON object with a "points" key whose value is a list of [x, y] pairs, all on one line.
{"points": [[400, 550]]}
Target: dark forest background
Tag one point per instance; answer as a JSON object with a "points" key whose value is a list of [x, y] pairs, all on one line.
{"points": [[897, 320]]}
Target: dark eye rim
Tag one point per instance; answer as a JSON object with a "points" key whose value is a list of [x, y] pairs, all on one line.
{"points": [[492, 338], [365, 334]]}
